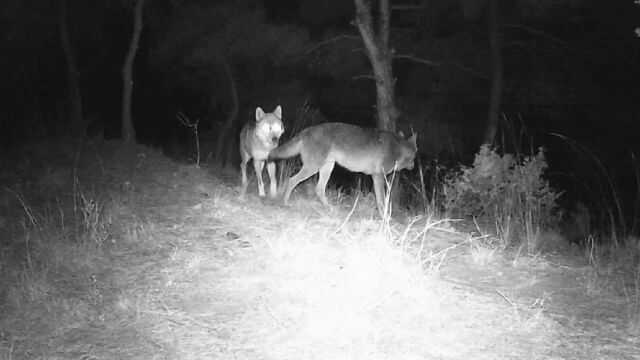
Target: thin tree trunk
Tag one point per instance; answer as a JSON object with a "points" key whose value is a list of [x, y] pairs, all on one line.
{"points": [[381, 57], [74, 97], [227, 125], [128, 131], [497, 78], [387, 111]]}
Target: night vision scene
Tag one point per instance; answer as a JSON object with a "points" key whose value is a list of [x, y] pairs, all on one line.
{"points": [[319, 179]]}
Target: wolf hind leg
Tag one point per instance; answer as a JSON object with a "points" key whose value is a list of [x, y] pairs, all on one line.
{"points": [[273, 184], [258, 166], [302, 175], [325, 173]]}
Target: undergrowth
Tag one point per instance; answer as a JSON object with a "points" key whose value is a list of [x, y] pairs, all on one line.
{"points": [[506, 194], [54, 266], [605, 221], [54, 243]]}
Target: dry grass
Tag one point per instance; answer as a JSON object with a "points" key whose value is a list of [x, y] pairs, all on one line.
{"points": [[165, 262], [608, 273], [483, 253], [633, 304], [332, 285]]}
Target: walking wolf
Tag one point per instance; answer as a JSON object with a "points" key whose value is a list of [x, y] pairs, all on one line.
{"points": [[257, 138], [366, 150]]}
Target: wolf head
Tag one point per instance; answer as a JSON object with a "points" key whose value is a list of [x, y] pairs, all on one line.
{"points": [[269, 127], [408, 148]]}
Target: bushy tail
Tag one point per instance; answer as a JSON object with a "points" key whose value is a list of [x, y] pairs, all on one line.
{"points": [[288, 150]]}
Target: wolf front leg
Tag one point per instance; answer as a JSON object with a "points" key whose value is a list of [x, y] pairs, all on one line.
{"points": [[245, 181], [258, 166]]}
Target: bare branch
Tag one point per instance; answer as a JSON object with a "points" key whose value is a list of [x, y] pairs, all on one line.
{"points": [[330, 40], [442, 63], [369, 77], [539, 33], [193, 126]]}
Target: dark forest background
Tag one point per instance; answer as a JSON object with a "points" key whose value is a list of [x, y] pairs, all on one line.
{"points": [[569, 71]]}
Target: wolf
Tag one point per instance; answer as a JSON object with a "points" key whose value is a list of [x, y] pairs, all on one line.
{"points": [[257, 139], [358, 149]]}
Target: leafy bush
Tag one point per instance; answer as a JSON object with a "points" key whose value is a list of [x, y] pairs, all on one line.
{"points": [[507, 191]]}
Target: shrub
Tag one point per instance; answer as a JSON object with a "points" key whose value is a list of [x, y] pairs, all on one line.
{"points": [[507, 191]]}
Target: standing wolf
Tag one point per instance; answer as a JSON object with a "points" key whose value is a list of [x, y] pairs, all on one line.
{"points": [[358, 149], [256, 140]]}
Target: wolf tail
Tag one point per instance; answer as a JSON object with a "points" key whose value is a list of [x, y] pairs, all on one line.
{"points": [[288, 150]]}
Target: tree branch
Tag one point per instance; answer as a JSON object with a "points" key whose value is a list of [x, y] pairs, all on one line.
{"points": [[383, 20], [369, 77], [442, 63], [539, 33], [330, 40]]}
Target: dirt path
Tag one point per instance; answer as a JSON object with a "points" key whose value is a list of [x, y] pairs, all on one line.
{"points": [[193, 273], [258, 296]]}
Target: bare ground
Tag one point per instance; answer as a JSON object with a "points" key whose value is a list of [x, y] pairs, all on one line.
{"points": [[188, 271]]}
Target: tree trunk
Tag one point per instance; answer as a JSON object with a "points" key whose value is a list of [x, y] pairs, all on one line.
{"points": [[128, 131], [381, 57], [497, 78], [227, 125], [74, 97]]}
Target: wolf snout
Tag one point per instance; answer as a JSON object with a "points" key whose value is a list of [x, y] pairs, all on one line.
{"points": [[275, 139]]}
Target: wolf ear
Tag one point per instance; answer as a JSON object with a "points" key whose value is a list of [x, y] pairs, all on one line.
{"points": [[259, 113], [278, 111]]}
